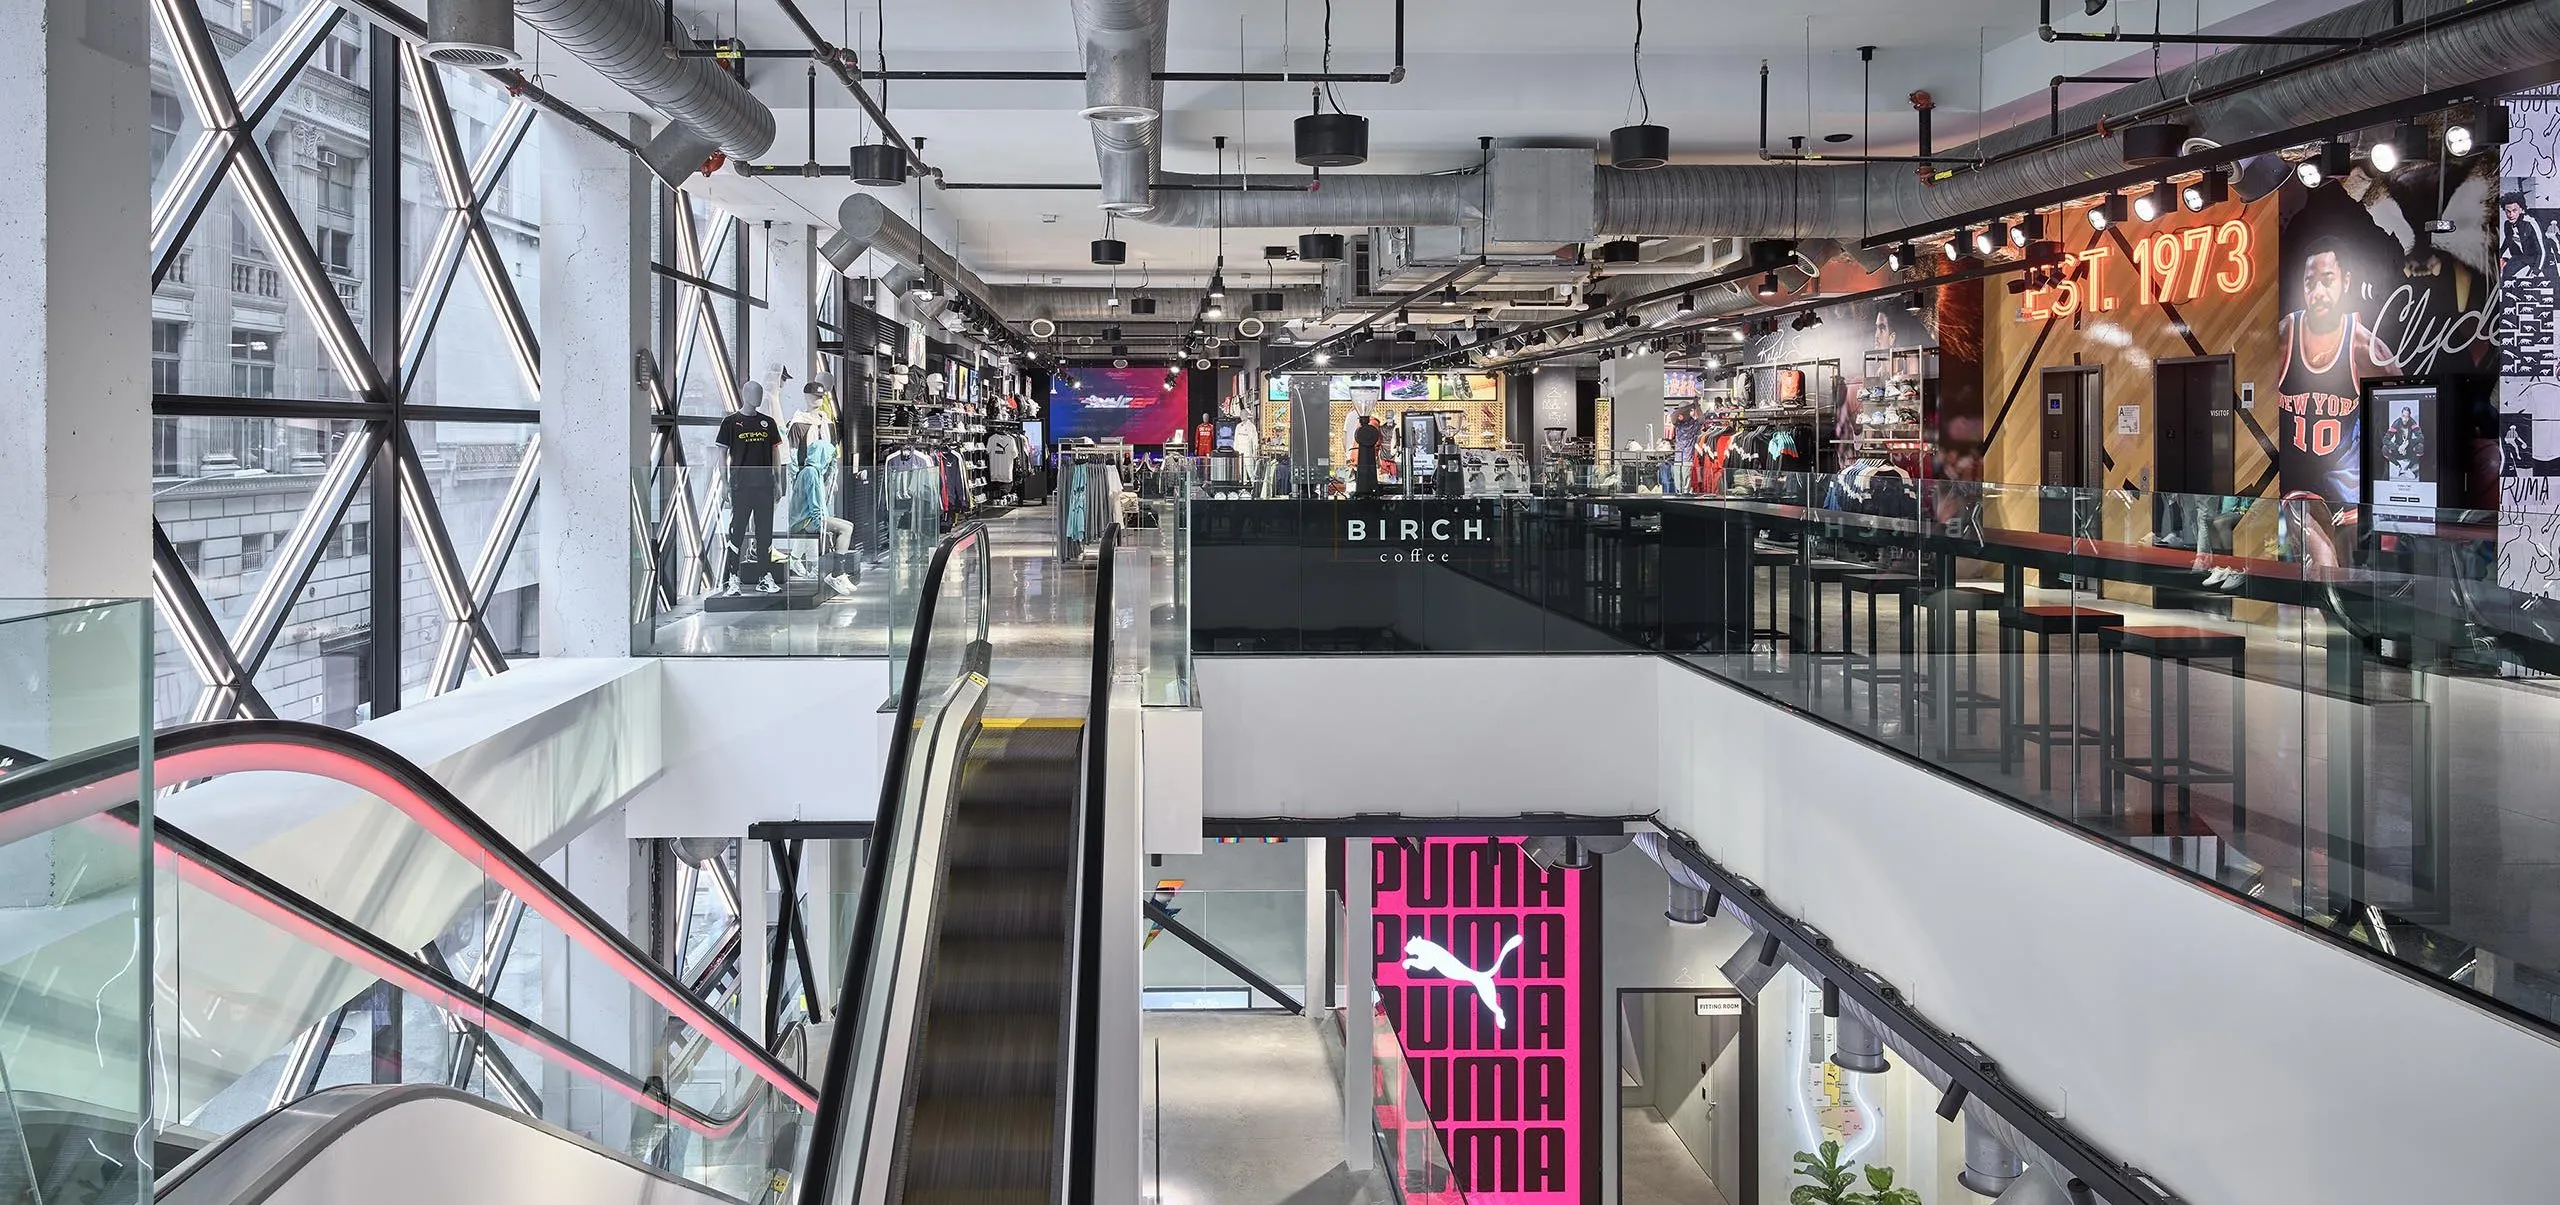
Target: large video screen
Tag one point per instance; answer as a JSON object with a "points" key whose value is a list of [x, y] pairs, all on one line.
{"points": [[1139, 405]]}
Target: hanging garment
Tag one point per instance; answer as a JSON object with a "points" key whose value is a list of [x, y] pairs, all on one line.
{"points": [[813, 500]]}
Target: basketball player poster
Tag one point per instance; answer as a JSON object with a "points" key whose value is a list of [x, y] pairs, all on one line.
{"points": [[2382, 276]]}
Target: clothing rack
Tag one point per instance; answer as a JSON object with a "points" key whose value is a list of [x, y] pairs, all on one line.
{"points": [[1092, 478]]}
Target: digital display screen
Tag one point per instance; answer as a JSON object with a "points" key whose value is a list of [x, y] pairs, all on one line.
{"points": [[2405, 489], [1138, 405]]}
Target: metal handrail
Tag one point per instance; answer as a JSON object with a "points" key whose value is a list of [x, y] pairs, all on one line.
{"points": [[1082, 1053]]}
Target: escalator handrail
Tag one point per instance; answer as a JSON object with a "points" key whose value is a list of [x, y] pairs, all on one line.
{"points": [[280, 907], [53, 793], [1083, 1048], [826, 1127]]}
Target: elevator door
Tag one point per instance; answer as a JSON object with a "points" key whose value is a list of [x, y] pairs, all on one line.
{"points": [[2070, 461], [2191, 451]]}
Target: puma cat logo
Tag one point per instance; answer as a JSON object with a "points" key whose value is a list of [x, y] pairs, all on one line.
{"points": [[1424, 954]]}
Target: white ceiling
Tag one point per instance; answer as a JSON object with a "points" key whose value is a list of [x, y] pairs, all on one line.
{"points": [[1529, 70]]}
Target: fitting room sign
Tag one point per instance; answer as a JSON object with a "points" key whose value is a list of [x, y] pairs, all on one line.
{"points": [[1484, 978], [1417, 532]]}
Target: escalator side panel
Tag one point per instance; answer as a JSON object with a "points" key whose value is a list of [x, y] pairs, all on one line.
{"points": [[986, 1116]]}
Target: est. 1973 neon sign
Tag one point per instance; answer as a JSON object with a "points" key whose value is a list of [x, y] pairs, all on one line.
{"points": [[2170, 267]]}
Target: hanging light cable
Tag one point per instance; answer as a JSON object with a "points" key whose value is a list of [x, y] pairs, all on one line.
{"points": [[1644, 145]]}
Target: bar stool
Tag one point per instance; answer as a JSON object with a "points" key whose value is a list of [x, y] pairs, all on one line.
{"points": [[1920, 605], [1809, 639], [2044, 623], [2164, 766], [1774, 561], [1869, 665]]}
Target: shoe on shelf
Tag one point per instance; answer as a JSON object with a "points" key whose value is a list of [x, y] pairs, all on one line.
{"points": [[842, 584], [731, 590], [768, 586], [2232, 580]]}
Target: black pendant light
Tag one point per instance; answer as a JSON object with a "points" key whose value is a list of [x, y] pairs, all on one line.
{"points": [[1142, 305], [1269, 302], [879, 165], [1644, 145], [1109, 252], [1621, 251], [1320, 248], [1335, 139]]}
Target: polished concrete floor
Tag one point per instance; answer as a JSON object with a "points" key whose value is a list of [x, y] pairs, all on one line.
{"points": [[1250, 1114], [1655, 1168]]}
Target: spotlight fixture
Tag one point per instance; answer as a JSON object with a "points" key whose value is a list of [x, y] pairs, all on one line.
{"points": [[2210, 189], [1988, 239], [1323, 358], [2489, 129], [1449, 296], [1954, 247], [1917, 301], [1217, 286], [2030, 229], [1214, 312], [2152, 205], [2109, 211], [2405, 144], [1688, 303], [1577, 330], [1901, 258], [1768, 287]]}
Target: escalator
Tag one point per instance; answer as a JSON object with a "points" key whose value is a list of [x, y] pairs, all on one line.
{"points": [[292, 1054]]}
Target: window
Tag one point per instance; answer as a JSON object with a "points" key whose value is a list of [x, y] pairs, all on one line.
{"points": [[164, 448], [168, 339], [337, 181], [253, 550], [191, 555], [253, 364], [245, 242], [166, 117], [259, 16], [337, 250], [342, 57], [356, 538]]}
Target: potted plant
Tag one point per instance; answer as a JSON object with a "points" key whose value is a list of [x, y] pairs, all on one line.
{"points": [[1836, 1183]]}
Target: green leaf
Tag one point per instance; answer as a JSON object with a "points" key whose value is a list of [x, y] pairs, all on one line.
{"points": [[1806, 1194], [1880, 1178]]}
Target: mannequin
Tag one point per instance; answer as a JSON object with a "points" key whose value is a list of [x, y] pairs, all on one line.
{"points": [[751, 444], [812, 511]]}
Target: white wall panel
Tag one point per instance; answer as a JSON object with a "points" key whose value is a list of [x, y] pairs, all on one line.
{"points": [[765, 739]]}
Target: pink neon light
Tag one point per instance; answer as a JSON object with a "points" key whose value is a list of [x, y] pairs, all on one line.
{"points": [[292, 758], [1508, 1102]]}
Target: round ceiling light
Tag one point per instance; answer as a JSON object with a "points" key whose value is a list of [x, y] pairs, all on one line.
{"points": [[1332, 140], [879, 165]]}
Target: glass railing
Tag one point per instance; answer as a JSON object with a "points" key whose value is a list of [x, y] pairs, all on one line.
{"points": [[943, 688], [2332, 714], [323, 916], [777, 563], [1410, 1142], [75, 1007], [1265, 931]]}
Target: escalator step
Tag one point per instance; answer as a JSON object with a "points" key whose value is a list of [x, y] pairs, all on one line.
{"points": [[981, 1143], [998, 975], [1015, 837], [1004, 903], [992, 1055]]}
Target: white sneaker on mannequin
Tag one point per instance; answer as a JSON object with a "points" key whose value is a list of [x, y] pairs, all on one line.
{"points": [[731, 590], [768, 586]]}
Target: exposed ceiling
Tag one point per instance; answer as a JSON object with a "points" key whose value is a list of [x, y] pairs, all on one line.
{"points": [[1520, 71]]}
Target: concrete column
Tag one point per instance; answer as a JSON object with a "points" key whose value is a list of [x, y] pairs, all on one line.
{"points": [[785, 329], [595, 415], [75, 301], [1551, 404], [1359, 1014]]}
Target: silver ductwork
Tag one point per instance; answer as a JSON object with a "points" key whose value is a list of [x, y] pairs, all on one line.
{"points": [[1123, 44], [1857, 1042], [1687, 905], [1021, 303], [1841, 200], [864, 224], [1310, 203], [624, 40]]}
